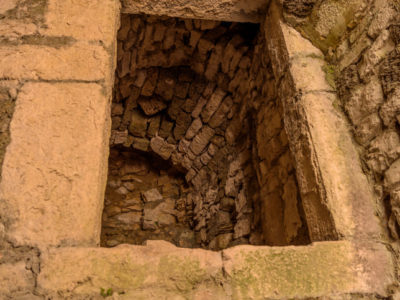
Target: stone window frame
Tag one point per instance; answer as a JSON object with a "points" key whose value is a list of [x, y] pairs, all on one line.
{"points": [[73, 265]]}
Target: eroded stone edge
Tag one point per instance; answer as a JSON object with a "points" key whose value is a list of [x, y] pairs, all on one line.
{"points": [[242, 272]]}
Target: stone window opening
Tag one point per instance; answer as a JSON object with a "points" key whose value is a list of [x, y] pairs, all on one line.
{"points": [[198, 151]]}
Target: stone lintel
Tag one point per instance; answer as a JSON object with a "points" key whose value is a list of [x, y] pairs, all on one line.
{"points": [[252, 11]]}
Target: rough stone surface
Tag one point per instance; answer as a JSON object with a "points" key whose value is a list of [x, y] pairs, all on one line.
{"points": [[156, 270], [189, 110], [316, 151], [245, 272], [279, 168], [16, 280], [232, 11], [45, 138], [293, 272], [78, 62]]}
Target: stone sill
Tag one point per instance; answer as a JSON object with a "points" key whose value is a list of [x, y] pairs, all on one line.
{"points": [[160, 269]]}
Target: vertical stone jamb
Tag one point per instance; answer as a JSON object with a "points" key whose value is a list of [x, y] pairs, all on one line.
{"points": [[337, 199]]}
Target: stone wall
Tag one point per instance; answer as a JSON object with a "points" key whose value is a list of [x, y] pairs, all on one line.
{"points": [[368, 82], [56, 65], [200, 96], [60, 54], [363, 52], [364, 70], [369, 87]]}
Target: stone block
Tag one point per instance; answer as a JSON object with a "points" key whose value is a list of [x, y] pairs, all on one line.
{"points": [[332, 142], [96, 20], [193, 128], [130, 218], [368, 128], [161, 147], [242, 228], [364, 100], [322, 269], [165, 128], [296, 44], [138, 125], [392, 175], [199, 107], [158, 269], [212, 104], [382, 46], [201, 140], [78, 62], [159, 215], [151, 106], [391, 109], [141, 144], [220, 115], [154, 126], [56, 159], [236, 11], [150, 83], [152, 195], [118, 137]]}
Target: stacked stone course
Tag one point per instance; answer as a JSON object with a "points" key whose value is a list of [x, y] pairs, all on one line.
{"points": [[200, 96]]}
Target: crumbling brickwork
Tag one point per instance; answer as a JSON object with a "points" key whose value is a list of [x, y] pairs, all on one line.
{"points": [[200, 96]]}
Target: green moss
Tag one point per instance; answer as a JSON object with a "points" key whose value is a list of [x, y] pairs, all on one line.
{"points": [[122, 275], [330, 75], [106, 293], [291, 272], [182, 274]]}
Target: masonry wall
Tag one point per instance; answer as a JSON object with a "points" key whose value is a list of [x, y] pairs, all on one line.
{"points": [[61, 53], [199, 95], [363, 51], [368, 85], [55, 90]]}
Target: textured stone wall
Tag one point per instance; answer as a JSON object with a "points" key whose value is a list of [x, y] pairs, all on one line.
{"points": [[56, 65], [56, 61], [369, 87], [364, 70], [360, 40], [200, 96]]}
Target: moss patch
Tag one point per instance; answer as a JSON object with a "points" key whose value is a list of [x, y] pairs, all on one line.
{"points": [[330, 75], [181, 274], [290, 272]]}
